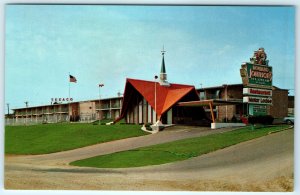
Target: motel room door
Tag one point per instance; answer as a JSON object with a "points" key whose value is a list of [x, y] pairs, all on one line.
{"points": [[74, 112]]}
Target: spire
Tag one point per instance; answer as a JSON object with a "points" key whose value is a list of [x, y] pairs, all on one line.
{"points": [[163, 74], [163, 68]]}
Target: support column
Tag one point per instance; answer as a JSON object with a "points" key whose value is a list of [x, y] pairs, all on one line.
{"points": [[211, 112]]}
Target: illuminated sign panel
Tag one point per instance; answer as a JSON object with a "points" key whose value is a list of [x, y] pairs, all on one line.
{"points": [[257, 92], [257, 100], [257, 109], [259, 75], [254, 75]]}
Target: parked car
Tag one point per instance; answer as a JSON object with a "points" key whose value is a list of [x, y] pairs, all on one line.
{"points": [[288, 120]]}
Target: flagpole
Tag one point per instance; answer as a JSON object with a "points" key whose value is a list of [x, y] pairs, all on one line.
{"points": [[71, 79], [99, 107], [100, 85]]}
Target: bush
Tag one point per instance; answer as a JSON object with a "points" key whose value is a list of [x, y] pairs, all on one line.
{"points": [[148, 126], [225, 120], [74, 118], [234, 119], [265, 120], [244, 119]]}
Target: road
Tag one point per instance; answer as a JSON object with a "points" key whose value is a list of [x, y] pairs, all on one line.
{"points": [[263, 164]]}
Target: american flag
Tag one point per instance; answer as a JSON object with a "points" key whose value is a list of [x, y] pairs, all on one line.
{"points": [[73, 79]]}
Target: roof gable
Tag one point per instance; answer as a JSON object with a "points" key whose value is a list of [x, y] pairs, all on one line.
{"points": [[166, 97]]}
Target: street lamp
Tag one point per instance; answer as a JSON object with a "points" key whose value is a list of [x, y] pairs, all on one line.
{"points": [[26, 103], [7, 118], [155, 77], [100, 85], [7, 109]]}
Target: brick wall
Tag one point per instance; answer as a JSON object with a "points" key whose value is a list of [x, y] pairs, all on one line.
{"points": [[222, 112], [233, 92], [279, 109]]}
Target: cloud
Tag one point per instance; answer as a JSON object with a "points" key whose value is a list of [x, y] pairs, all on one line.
{"points": [[227, 49]]}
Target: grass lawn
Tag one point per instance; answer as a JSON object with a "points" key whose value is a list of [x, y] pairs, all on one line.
{"points": [[49, 138], [175, 151]]}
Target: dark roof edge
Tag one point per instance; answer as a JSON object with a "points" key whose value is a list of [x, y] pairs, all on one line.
{"points": [[232, 85], [93, 100]]}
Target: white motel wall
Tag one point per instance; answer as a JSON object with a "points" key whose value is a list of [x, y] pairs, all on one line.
{"points": [[84, 111]]}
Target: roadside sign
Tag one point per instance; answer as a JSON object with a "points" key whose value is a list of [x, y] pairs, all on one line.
{"points": [[257, 76], [257, 100], [256, 110], [257, 92], [257, 80]]}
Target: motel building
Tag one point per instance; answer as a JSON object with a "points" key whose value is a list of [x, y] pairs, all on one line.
{"points": [[149, 101], [82, 111]]}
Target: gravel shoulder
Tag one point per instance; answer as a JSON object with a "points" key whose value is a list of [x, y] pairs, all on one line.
{"points": [[263, 164]]}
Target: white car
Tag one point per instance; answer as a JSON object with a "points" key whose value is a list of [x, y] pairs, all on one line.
{"points": [[288, 120]]}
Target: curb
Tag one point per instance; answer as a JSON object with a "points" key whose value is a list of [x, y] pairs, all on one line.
{"points": [[290, 127]]}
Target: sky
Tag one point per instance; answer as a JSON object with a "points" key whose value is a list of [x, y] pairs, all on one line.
{"points": [[205, 46]]}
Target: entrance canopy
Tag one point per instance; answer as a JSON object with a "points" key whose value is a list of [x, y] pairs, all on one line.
{"points": [[210, 103]]}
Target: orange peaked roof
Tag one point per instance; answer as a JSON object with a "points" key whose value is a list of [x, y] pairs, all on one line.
{"points": [[166, 97]]}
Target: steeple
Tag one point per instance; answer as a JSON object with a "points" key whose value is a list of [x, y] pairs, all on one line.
{"points": [[163, 74], [163, 68]]}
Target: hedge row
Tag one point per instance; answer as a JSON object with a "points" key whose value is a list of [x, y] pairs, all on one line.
{"points": [[265, 120]]}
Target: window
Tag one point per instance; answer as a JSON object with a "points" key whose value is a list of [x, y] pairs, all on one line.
{"points": [[202, 95]]}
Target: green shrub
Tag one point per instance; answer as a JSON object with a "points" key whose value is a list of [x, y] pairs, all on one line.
{"points": [[148, 126], [265, 120], [225, 120], [233, 119]]}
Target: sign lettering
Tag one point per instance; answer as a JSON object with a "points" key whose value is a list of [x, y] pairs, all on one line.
{"points": [[256, 110], [61, 99], [257, 92], [259, 75], [257, 100]]}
